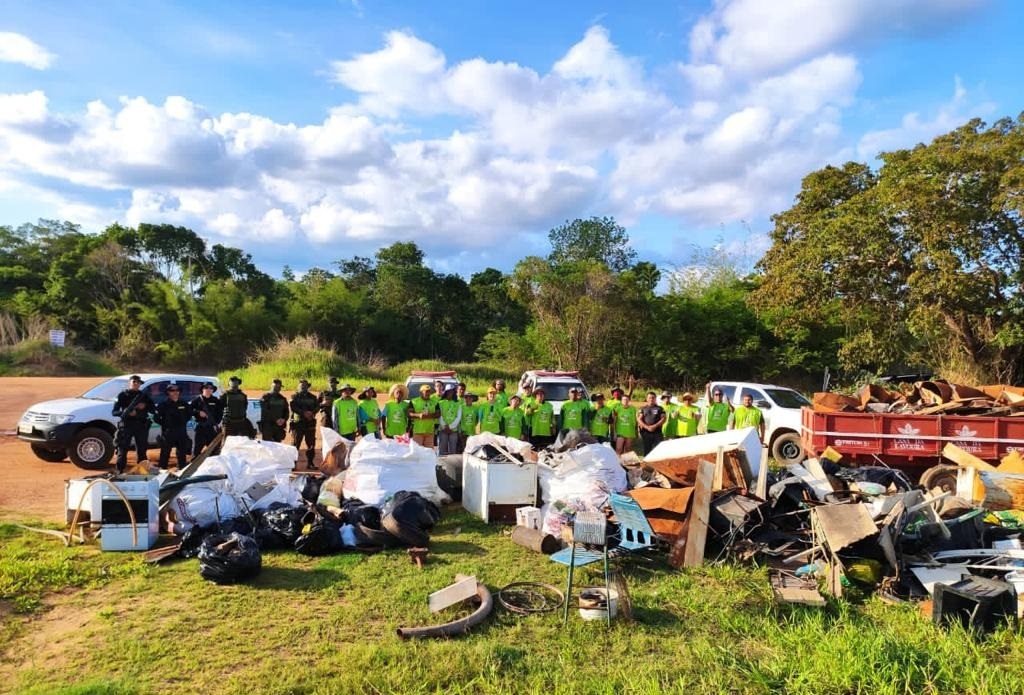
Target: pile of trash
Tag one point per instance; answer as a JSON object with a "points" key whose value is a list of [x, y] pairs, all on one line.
{"points": [[936, 397], [247, 501]]}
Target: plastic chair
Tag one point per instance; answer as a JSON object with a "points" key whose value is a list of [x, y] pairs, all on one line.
{"points": [[590, 528]]}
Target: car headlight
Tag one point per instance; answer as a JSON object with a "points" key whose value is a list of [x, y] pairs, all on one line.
{"points": [[61, 419]]}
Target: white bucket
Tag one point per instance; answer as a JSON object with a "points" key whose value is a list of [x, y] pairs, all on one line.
{"points": [[601, 612], [1017, 579]]}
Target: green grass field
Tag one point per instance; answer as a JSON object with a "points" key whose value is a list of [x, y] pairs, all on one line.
{"points": [[81, 621]]}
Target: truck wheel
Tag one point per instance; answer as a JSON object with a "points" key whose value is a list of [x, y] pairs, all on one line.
{"points": [[787, 450], [49, 454], [92, 449], [942, 476]]}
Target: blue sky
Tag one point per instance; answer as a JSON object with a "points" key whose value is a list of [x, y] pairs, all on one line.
{"points": [[313, 133]]}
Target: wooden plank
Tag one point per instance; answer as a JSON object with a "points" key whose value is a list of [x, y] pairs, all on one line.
{"points": [[965, 458], [813, 467], [700, 514], [450, 595], [719, 472], [761, 489]]}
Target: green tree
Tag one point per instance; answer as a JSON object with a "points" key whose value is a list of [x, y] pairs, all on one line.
{"points": [[599, 239]]}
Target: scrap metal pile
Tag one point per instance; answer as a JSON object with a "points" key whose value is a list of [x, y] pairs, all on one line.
{"points": [[936, 397]]}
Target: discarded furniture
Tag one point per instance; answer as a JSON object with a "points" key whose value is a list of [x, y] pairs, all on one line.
{"points": [[493, 489], [976, 603]]}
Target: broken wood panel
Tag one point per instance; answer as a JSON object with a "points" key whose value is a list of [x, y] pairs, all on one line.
{"points": [[842, 525], [700, 515], [790, 589], [452, 594], [965, 458]]}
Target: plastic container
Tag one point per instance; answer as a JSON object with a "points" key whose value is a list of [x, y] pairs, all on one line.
{"points": [[599, 594]]}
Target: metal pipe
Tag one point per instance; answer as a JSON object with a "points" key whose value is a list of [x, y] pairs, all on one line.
{"points": [[455, 627]]}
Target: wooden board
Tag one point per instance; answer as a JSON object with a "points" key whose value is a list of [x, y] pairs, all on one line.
{"points": [[965, 458], [453, 593], [700, 514]]}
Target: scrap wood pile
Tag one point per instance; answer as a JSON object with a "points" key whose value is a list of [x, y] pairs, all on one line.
{"points": [[936, 397], [246, 500]]}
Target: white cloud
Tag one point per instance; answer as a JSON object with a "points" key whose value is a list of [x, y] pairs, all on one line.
{"points": [[915, 128], [17, 48]]}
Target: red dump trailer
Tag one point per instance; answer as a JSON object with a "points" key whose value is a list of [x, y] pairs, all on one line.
{"points": [[911, 443]]}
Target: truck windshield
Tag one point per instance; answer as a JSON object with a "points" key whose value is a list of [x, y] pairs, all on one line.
{"points": [[786, 398], [559, 391], [108, 390]]}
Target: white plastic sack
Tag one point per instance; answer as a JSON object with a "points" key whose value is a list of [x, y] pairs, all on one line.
{"points": [[202, 505], [581, 481], [378, 468], [286, 491], [513, 446]]}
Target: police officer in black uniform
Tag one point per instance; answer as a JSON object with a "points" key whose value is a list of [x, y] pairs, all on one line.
{"points": [[273, 413], [207, 413], [173, 415], [327, 399], [304, 406], [234, 406], [133, 406]]}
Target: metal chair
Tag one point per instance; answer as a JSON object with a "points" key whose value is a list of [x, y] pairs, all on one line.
{"points": [[590, 529]]}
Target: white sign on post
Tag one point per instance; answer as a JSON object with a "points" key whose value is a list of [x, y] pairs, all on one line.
{"points": [[57, 338]]}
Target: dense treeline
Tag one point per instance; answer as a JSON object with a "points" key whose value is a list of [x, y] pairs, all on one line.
{"points": [[917, 263]]}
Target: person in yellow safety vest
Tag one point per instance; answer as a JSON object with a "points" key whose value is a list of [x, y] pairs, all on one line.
{"points": [[749, 415], [394, 418], [500, 397], [513, 419], [438, 393], [670, 430], [542, 420], [687, 415], [346, 413], [716, 414], [528, 403], [423, 413], [369, 412], [490, 413], [451, 412], [625, 426], [470, 418]]}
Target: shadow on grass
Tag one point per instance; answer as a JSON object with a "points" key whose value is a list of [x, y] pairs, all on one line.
{"points": [[456, 547], [297, 579]]}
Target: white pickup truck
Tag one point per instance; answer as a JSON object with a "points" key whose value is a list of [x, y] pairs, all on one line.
{"points": [[556, 386], [781, 409], [83, 428]]}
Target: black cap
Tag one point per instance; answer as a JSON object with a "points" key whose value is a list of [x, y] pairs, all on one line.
{"points": [[276, 381], [209, 385], [236, 379], [173, 387], [333, 380], [304, 381], [136, 378]]}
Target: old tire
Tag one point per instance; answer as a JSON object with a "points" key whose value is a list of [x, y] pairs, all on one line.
{"points": [[787, 450], [941, 476], [92, 449], [408, 535], [49, 454]]}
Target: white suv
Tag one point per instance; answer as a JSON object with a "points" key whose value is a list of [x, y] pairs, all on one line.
{"points": [[83, 428], [781, 409], [556, 386]]}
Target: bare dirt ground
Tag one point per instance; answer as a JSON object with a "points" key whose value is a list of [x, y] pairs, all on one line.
{"points": [[29, 487]]}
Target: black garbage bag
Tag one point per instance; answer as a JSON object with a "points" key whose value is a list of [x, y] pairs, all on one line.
{"points": [[412, 509], [321, 536], [266, 536], [311, 488], [192, 539], [285, 523], [355, 512], [229, 558]]}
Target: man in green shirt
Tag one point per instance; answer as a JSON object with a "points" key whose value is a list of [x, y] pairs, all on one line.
{"points": [[395, 416], [490, 413], [449, 422], [716, 415], [749, 415], [470, 418], [369, 412], [423, 412], [688, 416], [346, 413], [625, 426], [574, 412], [513, 419], [670, 430], [542, 420], [601, 417]]}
